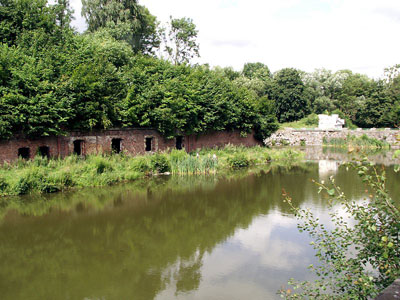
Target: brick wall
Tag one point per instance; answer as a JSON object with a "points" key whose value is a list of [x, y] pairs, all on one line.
{"points": [[219, 139], [132, 141], [9, 149]]}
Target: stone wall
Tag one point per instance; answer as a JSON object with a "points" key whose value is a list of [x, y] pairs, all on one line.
{"points": [[131, 141], [315, 137], [391, 293]]}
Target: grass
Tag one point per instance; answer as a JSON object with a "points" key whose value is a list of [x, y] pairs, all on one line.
{"points": [[352, 141], [43, 175], [311, 121]]}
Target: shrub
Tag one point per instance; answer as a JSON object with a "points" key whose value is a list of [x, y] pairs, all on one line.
{"points": [[267, 157], [312, 120], [3, 184], [140, 164], [160, 163], [22, 186], [356, 261], [64, 178], [100, 164], [238, 161], [284, 142], [49, 185]]}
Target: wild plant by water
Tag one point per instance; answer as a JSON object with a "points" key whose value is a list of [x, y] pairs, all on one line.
{"points": [[51, 175], [359, 257], [183, 163]]}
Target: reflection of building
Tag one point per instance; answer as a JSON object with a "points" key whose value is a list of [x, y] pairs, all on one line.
{"points": [[327, 167], [330, 122]]}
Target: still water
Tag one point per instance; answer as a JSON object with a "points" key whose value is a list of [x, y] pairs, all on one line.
{"points": [[218, 237]]}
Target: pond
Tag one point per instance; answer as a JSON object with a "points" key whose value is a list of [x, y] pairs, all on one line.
{"points": [[216, 237]]}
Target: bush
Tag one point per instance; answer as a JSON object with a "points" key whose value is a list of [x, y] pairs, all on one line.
{"points": [[49, 185], [238, 161], [140, 164], [159, 163], [359, 257], [23, 186], [100, 164], [312, 120], [3, 184]]}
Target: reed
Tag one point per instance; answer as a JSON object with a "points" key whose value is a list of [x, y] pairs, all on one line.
{"points": [[44, 175]]}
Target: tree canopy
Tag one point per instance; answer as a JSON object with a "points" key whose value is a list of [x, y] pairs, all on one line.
{"points": [[53, 79]]}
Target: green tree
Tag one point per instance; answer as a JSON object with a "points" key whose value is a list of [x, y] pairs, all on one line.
{"points": [[353, 92], [255, 77], [256, 70], [288, 91], [18, 16], [64, 13], [124, 20], [190, 100], [180, 40]]}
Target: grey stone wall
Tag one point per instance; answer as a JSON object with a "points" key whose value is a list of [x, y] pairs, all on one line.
{"points": [[315, 137], [391, 293]]}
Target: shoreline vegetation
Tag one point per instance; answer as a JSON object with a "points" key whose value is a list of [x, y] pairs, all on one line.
{"points": [[356, 143], [42, 175]]}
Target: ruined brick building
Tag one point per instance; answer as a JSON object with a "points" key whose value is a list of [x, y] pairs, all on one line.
{"points": [[131, 141]]}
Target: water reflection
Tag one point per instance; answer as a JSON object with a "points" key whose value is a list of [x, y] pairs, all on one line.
{"points": [[173, 237]]}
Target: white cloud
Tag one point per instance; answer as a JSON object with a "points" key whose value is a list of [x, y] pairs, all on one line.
{"points": [[359, 35], [274, 253]]}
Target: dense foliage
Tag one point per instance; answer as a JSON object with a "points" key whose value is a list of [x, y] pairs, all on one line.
{"points": [[66, 81], [53, 79]]}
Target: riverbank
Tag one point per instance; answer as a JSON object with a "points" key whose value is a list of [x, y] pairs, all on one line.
{"points": [[43, 175]]}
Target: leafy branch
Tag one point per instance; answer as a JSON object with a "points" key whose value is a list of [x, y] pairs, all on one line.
{"points": [[360, 255]]}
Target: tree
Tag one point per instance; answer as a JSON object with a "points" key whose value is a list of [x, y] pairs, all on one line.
{"points": [[124, 20], [288, 91], [191, 100], [180, 41], [18, 16], [256, 70], [255, 77], [355, 89], [63, 13]]}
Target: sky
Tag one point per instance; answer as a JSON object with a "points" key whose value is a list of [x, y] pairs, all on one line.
{"points": [[360, 35]]}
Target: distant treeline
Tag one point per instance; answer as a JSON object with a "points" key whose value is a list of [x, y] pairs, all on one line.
{"points": [[53, 79]]}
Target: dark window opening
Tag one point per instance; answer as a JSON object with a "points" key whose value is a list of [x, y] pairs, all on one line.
{"points": [[116, 145], [44, 151], [78, 147], [149, 141], [179, 142], [24, 153]]}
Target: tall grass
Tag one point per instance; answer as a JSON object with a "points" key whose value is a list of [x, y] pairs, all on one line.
{"points": [[184, 163], [51, 175]]}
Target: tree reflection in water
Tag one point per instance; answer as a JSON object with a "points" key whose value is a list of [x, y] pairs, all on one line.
{"points": [[188, 237]]}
